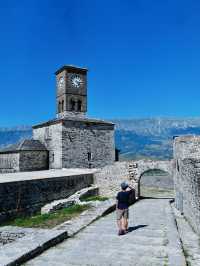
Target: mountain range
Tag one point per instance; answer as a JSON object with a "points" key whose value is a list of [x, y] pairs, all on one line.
{"points": [[12, 135], [151, 137], [135, 138]]}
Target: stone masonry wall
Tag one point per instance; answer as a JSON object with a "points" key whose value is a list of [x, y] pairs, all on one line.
{"points": [[187, 178], [25, 197], [109, 178], [9, 163], [51, 137], [33, 160], [82, 139]]}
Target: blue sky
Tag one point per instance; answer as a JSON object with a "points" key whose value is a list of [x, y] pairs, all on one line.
{"points": [[143, 57]]}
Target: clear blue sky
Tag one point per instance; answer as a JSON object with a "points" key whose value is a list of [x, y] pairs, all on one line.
{"points": [[143, 57]]}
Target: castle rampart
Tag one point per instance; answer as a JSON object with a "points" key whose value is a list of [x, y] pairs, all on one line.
{"points": [[187, 178]]}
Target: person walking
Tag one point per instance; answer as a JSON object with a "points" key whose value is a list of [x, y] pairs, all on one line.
{"points": [[122, 204]]}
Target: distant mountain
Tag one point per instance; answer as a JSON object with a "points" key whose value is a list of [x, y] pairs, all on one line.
{"points": [[151, 137], [136, 138], [13, 135]]}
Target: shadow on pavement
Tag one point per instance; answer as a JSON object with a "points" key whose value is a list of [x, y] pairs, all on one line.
{"points": [[133, 228], [170, 198]]}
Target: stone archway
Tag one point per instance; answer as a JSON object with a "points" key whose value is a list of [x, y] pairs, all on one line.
{"points": [[156, 183], [138, 168]]}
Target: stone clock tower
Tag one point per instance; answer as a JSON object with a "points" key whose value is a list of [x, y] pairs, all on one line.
{"points": [[71, 91], [72, 139]]}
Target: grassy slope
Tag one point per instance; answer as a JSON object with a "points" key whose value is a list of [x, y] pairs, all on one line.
{"points": [[49, 220]]}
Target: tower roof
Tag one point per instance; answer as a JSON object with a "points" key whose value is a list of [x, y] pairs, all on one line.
{"points": [[71, 67]]}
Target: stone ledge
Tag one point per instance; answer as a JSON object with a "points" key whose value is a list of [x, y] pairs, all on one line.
{"points": [[44, 174], [175, 249], [39, 240], [190, 240]]}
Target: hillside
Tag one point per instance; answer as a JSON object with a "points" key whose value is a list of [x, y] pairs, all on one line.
{"points": [[12, 135], [151, 137]]}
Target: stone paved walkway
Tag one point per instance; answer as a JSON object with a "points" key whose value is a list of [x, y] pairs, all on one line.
{"points": [[99, 244]]}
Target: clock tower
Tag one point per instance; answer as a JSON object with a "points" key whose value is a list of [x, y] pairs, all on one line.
{"points": [[74, 140], [71, 91]]}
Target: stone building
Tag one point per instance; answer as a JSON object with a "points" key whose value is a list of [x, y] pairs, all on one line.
{"points": [[187, 178], [27, 155], [72, 139]]}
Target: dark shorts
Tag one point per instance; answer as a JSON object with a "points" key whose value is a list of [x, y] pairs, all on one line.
{"points": [[122, 213]]}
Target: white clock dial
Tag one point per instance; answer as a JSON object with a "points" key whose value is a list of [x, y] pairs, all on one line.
{"points": [[61, 82], [76, 81]]}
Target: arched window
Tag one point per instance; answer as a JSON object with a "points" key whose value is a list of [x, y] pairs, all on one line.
{"points": [[72, 105], [79, 106]]}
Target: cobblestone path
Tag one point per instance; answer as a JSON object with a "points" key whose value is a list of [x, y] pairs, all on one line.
{"points": [[98, 244]]}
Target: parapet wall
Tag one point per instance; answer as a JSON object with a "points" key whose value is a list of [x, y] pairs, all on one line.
{"points": [[187, 178], [28, 196]]}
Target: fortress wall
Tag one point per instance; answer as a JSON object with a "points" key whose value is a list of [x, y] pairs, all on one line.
{"points": [[187, 178], [28, 196], [111, 176]]}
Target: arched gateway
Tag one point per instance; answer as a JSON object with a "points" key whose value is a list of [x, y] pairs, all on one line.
{"points": [[138, 168]]}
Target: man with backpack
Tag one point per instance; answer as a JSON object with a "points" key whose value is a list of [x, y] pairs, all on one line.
{"points": [[122, 204]]}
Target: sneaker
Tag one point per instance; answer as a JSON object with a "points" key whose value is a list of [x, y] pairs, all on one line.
{"points": [[121, 232]]}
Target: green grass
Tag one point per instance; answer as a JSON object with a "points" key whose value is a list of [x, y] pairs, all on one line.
{"points": [[49, 220], [165, 263], [94, 198]]}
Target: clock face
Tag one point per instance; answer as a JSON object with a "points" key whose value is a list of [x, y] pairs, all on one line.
{"points": [[76, 81], [60, 82]]}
